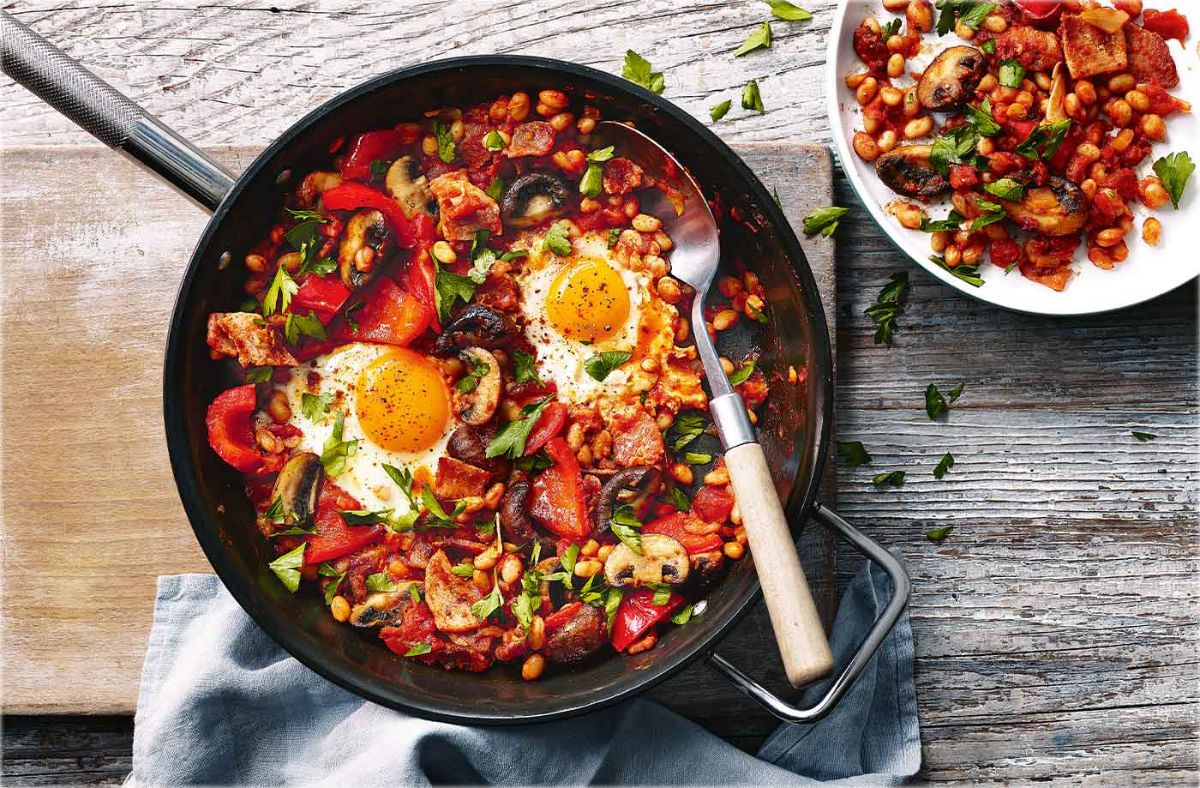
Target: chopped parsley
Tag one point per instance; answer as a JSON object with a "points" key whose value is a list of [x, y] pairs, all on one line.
{"points": [[637, 69], [418, 649], [287, 568], [953, 147], [279, 294], [449, 288], [1174, 170], [1011, 73], [495, 189], [445, 141], [888, 306], [380, 582], [308, 325], [601, 365], [944, 464], [759, 39], [1144, 436], [824, 220], [557, 240], [967, 273], [782, 9], [989, 46], [936, 404], [331, 588], [683, 614], [719, 111], [697, 458], [1005, 189], [336, 451], [687, 427], [470, 381], [486, 607], [365, 517], [627, 527], [894, 478], [679, 500], [259, 374], [936, 535], [751, 98], [981, 119], [378, 169], [854, 453], [614, 235], [742, 373], [493, 141], [315, 407], [948, 225], [524, 367], [1044, 140], [510, 440]]}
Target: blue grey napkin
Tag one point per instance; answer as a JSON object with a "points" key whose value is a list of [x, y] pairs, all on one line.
{"points": [[221, 703]]}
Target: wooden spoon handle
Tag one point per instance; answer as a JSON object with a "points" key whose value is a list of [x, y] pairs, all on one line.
{"points": [[798, 630]]}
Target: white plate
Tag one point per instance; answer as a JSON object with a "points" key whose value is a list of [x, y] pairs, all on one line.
{"points": [[1149, 271]]}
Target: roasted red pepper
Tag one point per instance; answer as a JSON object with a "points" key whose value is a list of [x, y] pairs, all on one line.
{"points": [[636, 614], [334, 538], [1168, 24], [388, 315], [352, 196], [321, 294], [556, 494], [1040, 11], [712, 504], [675, 526], [548, 425], [230, 428], [420, 280], [369, 146], [561, 616]]}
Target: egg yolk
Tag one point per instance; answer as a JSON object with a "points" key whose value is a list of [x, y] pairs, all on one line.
{"points": [[587, 302], [402, 401]]}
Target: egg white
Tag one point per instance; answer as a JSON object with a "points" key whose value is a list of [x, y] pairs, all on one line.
{"points": [[560, 358], [365, 477]]}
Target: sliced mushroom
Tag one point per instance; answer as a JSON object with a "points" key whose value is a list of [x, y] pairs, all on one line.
{"points": [[468, 445], [450, 597], [515, 523], [707, 569], [296, 487], [583, 634], [1056, 103], [627, 487], [908, 170], [1058, 208], [477, 404], [409, 187], [363, 246], [382, 609], [533, 198], [663, 560], [476, 326], [315, 184], [951, 78]]}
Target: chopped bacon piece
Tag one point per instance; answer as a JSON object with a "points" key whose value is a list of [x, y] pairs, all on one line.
{"points": [[1036, 50], [621, 176], [1149, 58], [534, 138], [463, 207], [636, 440], [248, 337], [1089, 50], [471, 146], [450, 597], [457, 479]]}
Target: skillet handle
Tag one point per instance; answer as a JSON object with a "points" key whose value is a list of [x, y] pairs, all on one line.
{"points": [[879, 632], [109, 116]]}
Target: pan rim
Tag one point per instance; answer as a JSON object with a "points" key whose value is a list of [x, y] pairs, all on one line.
{"points": [[205, 526]]}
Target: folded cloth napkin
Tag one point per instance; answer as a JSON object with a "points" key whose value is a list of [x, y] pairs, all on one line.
{"points": [[221, 703]]}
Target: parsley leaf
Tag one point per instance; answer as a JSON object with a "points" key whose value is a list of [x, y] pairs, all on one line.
{"points": [[336, 451], [1144, 436], [309, 325], [287, 567], [259, 374], [1005, 189], [989, 46], [679, 500], [1174, 170], [495, 189], [510, 440], [683, 615], [1044, 140], [950, 224], [1011, 73], [953, 147], [854, 453], [601, 365], [315, 407], [742, 373], [524, 367], [349, 315], [697, 458], [936, 535], [592, 182], [450, 287], [687, 427], [719, 111], [332, 587], [558, 241], [279, 294], [894, 478], [986, 219], [788, 12], [936, 404], [759, 39], [418, 649], [888, 306], [638, 70], [365, 517], [326, 265], [404, 480], [967, 273], [613, 235], [445, 141], [662, 594], [944, 464], [981, 118], [378, 169], [470, 381], [493, 141], [380, 582], [627, 527], [973, 16], [486, 607], [751, 98], [824, 220]]}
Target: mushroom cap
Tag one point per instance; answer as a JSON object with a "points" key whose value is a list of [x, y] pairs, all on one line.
{"points": [[951, 78], [297, 485], [533, 198], [1058, 208], [908, 170], [662, 560]]}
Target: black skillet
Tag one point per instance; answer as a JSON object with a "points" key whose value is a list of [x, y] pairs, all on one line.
{"points": [[794, 429]]}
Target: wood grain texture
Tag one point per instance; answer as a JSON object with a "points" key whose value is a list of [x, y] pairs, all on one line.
{"points": [[1056, 627], [102, 276]]}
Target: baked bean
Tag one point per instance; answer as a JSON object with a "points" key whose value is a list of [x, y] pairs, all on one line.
{"points": [[444, 253], [724, 320], [987, 84], [682, 473], [994, 23], [895, 5], [856, 79], [498, 112], [645, 644], [717, 477], [1153, 127], [895, 67], [733, 550], [575, 436], [1152, 192], [872, 24], [586, 569], [912, 106], [457, 129], [891, 96], [1123, 140], [1086, 91], [971, 255], [533, 667], [256, 263], [339, 606], [562, 121], [645, 223], [1151, 230], [605, 552], [584, 456], [429, 145], [278, 406], [518, 107], [872, 124], [553, 98], [537, 633], [908, 215], [1131, 7], [865, 146], [1071, 104], [487, 559], [726, 365], [1024, 98], [1087, 151], [1119, 252], [919, 16], [1042, 80], [586, 125], [669, 289], [663, 240], [602, 444], [1120, 112], [1088, 187], [964, 31], [887, 141], [495, 493], [590, 548], [1138, 100], [938, 241], [510, 569], [896, 43], [866, 91], [754, 306], [1016, 111], [985, 146], [917, 127], [1109, 237], [1121, 83], [729, 286], [291, 261], [683, 330], [953, 256]]}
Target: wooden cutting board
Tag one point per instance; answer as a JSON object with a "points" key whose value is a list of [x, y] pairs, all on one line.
{"points": [[92, 252]]}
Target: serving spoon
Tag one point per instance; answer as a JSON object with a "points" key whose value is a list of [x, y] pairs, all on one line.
{"points": [[695, 256]]}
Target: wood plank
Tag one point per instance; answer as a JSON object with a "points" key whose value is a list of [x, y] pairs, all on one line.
{"points": [[101, 276]]}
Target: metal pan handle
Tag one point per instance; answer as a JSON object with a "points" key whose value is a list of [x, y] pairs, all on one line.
{"points": [[107, 115], [879, 632]]}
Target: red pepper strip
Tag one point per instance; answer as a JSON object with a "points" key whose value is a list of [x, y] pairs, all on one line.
{"points": [[334, 538], [351, 196], [556, 495], [548, 425], [712, 504], [324, 295], [675, 526], [561, 616], [420, 280], [389, 316], [366, 148], [637, 614], [230, 433]]}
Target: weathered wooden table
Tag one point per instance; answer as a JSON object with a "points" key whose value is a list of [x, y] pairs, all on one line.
{"points": [[1056, 626]]}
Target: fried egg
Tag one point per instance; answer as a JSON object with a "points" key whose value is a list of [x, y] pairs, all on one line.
{"points": [[396, 405], [587, 303]]}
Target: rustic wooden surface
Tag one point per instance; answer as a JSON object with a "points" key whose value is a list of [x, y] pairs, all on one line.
{"points": [[1056, 627]]}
